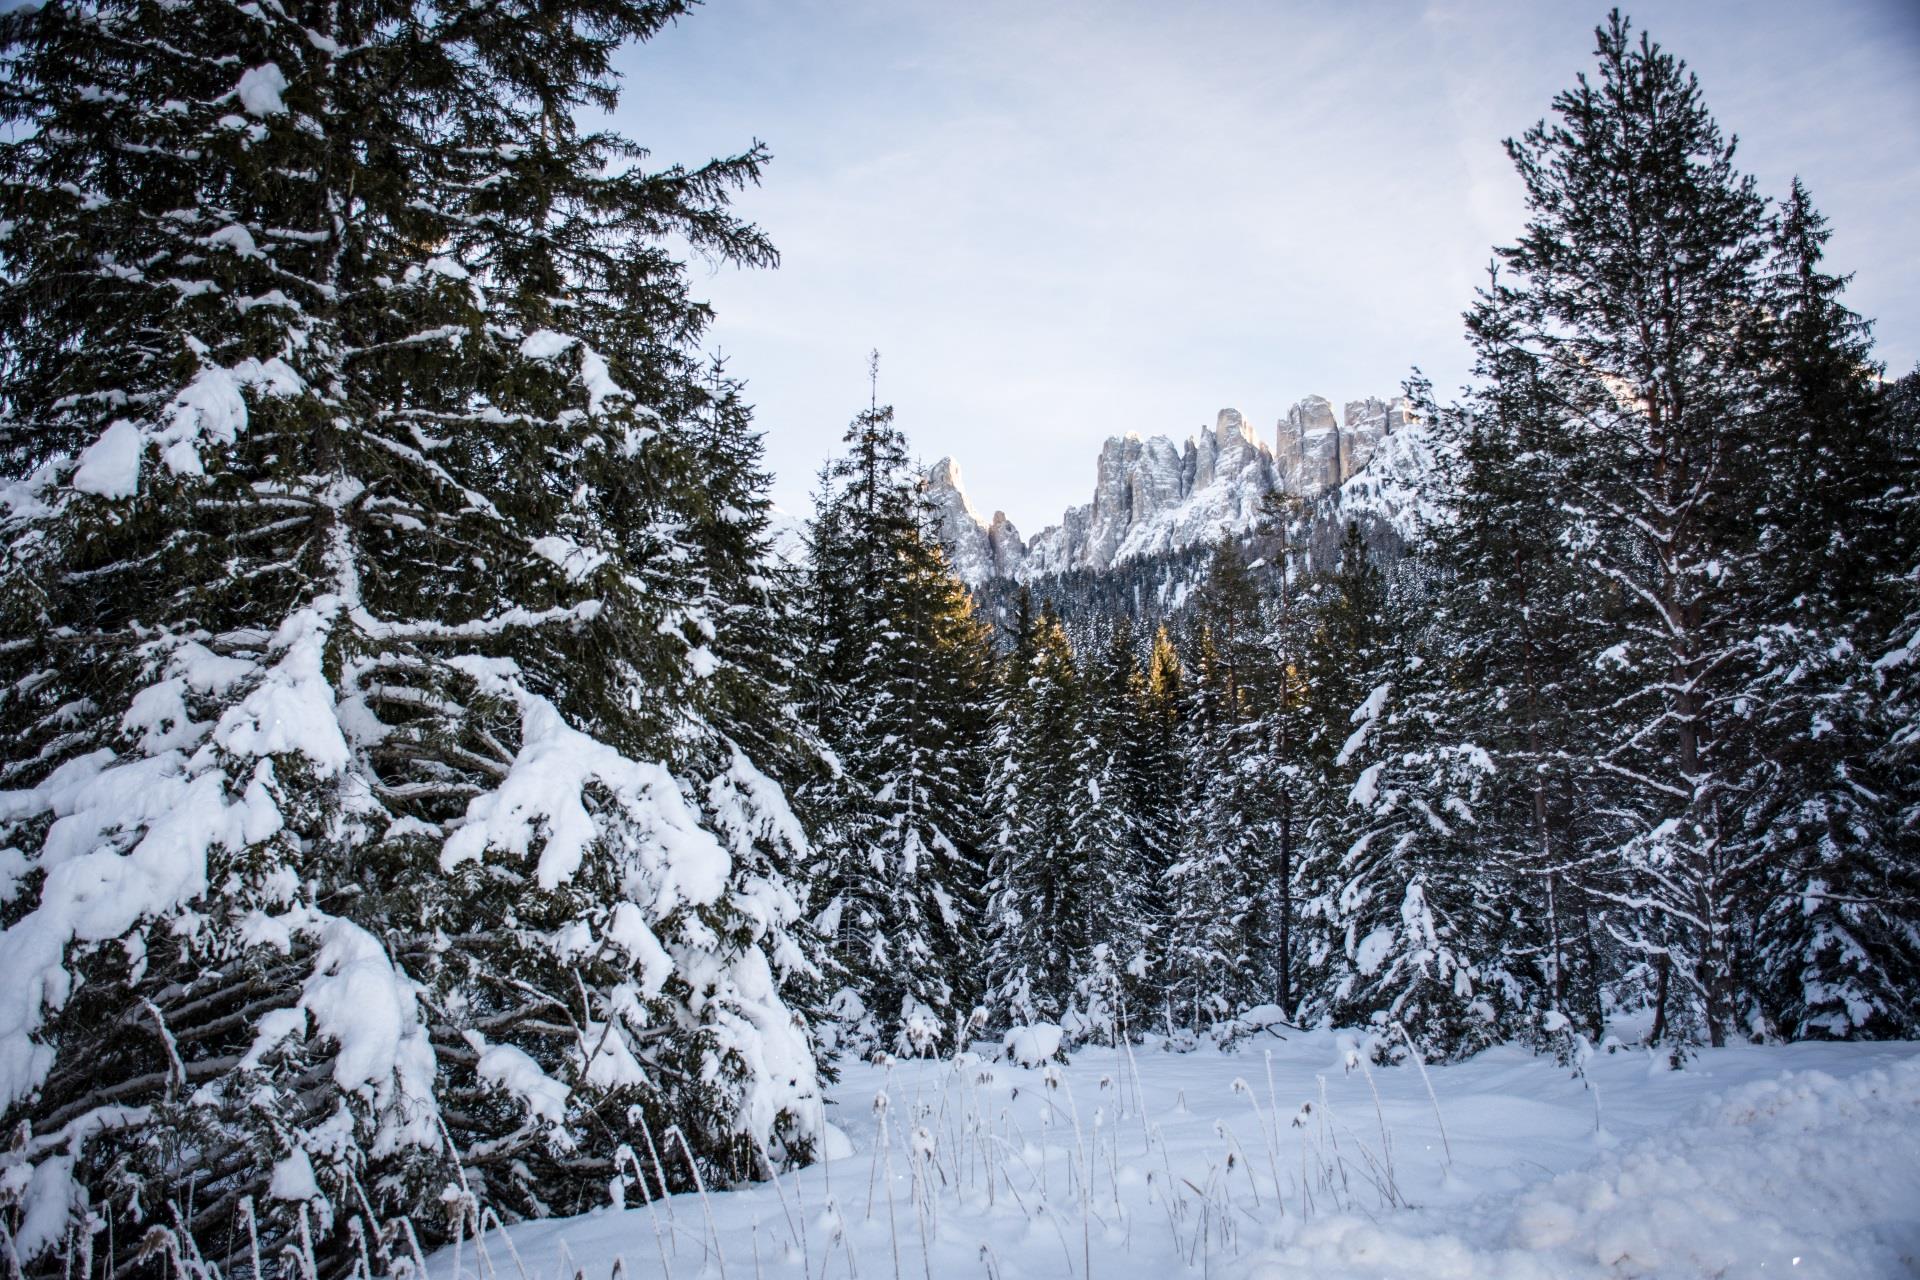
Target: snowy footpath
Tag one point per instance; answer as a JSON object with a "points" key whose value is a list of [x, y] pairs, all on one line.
{"points": [[1289, 1158]]}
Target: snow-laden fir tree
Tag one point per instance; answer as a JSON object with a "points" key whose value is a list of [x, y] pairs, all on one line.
{"points": [[1035, 923], [1289, 725], [1118, 723], [898, 668], [1515, 629], [1632, 290], [1222, 937], [1399, 899], [1062, 930], [1833, 949], [1896, 650], [384, 829]]}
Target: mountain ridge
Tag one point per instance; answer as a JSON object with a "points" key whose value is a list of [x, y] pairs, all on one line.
{"points": [[1152, 495]]}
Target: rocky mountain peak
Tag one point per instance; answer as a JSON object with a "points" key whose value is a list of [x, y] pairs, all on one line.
{"points": [[1151, 494], [979, 550]]}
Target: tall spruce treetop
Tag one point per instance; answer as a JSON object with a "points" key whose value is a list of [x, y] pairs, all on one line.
{"points": [[1633, 298], [900, 687], [383, 823]]}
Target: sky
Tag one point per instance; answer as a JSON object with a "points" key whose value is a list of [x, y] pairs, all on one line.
{"points": [[1067, 220]]}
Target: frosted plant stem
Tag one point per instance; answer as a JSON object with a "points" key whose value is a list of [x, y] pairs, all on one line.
{"points": [[484, 1259], [660, 1172], [1139, 1098], [1434, 1098], [826, 1163], [920, 1208], [1269, 1140], [700, 1185], [653, 1215], [459, 1241], [309, 1265], [1386, 1139], [1238, 1153], [253, 1237], [413, 1247], [507, 1238], [799, 1233], [1086, 1188], [886, 1147]]}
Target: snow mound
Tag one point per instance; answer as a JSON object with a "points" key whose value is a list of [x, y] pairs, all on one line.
{"points": [[1033, 1046], [1802, 1175]]}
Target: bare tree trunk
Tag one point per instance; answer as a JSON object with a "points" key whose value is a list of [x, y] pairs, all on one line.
{"points": [[1664, 968]]}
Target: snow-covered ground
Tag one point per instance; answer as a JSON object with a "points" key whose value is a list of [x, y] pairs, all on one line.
{"points": [[1284, 1159]]}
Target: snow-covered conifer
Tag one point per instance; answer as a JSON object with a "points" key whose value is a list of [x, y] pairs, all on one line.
{"points": [[898, 667], [383, 807]]}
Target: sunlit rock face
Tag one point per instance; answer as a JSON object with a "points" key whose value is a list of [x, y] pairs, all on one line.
{"points": [[979, 549], [1307, 447]]}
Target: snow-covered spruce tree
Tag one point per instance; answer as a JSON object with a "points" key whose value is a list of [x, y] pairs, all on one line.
{"points": [[1035, 924], [1833, 951], [1896, 647], [1633, 289], [1289, 736], [1346, 659], [380, 834], [1062, 932], [900, 684], [1222, 939], [1514, 629], [1118, 724], [1405, 903]]}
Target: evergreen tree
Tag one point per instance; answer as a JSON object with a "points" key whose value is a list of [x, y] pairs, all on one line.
{"points": [[1896, 643], [382, 779], [1052, 826], [1832, 954], [1288, 768], [1224, 880], [1514, 618], [1422, 953], [1119, 727], [1632, 294], [899, 666]]}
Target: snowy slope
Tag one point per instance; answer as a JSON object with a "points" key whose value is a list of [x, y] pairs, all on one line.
{"points": [[1287, 1159], [1395, 486], [787, 537]]}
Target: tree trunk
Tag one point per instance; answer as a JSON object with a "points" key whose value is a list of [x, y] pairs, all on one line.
{"points": [[1664, 968]]}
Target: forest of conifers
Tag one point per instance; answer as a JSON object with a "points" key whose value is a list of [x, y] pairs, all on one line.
{"points": [[427, 795]]}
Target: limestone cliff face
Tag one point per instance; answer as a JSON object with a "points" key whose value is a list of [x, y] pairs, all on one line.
{"points": [[979, 549], [1315, 451], [1150, 494]]}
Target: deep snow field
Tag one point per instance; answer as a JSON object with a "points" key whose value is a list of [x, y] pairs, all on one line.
{"points": [[1286, 1158]]}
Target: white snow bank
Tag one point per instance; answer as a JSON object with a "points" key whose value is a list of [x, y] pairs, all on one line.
{"points": [[1033, 1046], [1803, 1175], [1195, 1164]]}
